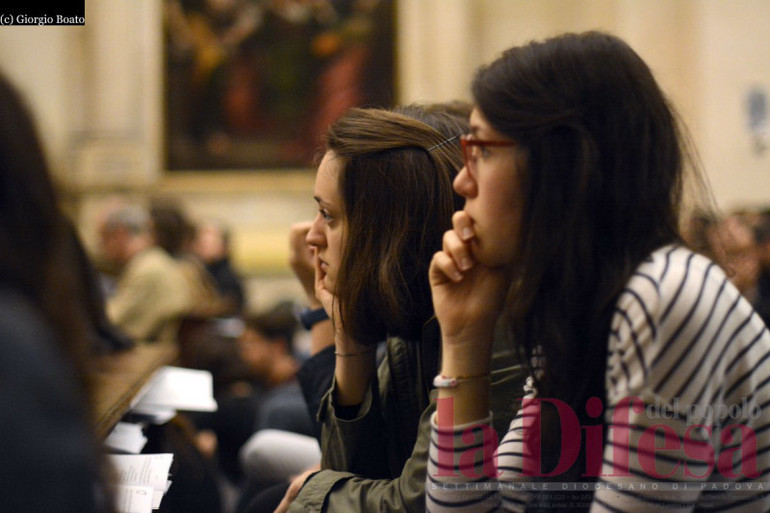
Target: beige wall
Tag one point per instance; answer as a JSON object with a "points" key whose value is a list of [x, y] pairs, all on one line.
{"points": [[732, 63], [707, 54], [96, 93]]}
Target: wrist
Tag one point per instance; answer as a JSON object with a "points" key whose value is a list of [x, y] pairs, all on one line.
{"points": [[360, 353], [353, 378], [444, 381], [312, 301], [470, 401], [345, 344], [469, 358]]}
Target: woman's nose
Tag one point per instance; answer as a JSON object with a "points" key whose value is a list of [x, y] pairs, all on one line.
{"points": [[315, 234], [463, 184]]}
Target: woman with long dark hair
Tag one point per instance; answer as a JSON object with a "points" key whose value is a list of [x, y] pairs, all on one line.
{"points": [[573, 181]]}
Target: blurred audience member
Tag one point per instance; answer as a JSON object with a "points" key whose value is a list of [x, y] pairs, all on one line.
{"points": [[735, 248], [762, 236], [697, 232], [51, 459], [212, 246], [151, 293], [174, 232], [267, 346], [255, 382], [107, 337]]}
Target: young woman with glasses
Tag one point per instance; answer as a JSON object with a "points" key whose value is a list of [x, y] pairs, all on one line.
{"points": [[645, 384]]}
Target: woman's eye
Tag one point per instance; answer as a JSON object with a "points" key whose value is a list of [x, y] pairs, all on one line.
{"points": [[484, 152], [326, 215]]}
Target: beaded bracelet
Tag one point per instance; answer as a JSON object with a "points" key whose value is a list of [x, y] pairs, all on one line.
{"points": [[451, 382]]}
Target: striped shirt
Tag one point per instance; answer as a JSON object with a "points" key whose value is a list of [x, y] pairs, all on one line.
{"points": [[687, 408]]}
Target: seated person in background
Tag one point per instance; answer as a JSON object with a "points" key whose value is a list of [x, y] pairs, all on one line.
{"points": [[211, 245], [697, 232], [51, 458], [107, 337], [279, 456], [255, 385], [175, 233], [735, 249], [151, 293], [762, 236], [266, 346]]}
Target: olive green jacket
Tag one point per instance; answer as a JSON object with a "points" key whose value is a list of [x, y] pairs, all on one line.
{"points": [[377, 461]]}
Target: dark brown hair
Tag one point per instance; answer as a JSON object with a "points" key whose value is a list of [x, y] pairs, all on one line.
{"points": [[605, 165], [278, 324], [39, 256], [397, 199], [172, 228]]}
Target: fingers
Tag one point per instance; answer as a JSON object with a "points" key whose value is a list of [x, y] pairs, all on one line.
{"points": [[300, 230], [300, 252], [322, 294], [463, 225], [294, 488], [301, 255], [442, 266], [455, 258], [456, 242], [319, 272]]}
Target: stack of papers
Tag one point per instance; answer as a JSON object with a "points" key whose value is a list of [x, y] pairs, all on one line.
{"points": [[140, 481]]}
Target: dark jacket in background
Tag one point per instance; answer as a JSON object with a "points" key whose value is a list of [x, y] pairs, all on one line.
{"points": [[49, 453]]}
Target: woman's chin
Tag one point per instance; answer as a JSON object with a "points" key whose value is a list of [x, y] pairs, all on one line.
{"points": [[488, 258]]}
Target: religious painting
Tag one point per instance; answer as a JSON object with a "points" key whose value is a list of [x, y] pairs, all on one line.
{"points": [[253, 84]]}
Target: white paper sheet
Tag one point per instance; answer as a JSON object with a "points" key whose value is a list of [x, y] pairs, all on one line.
{"points": [[133, 499], [179, 388], [126, 437], [143, 470]]}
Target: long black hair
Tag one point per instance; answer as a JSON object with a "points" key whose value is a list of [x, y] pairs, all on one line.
{"points": [[602, 189], [605, 160]]}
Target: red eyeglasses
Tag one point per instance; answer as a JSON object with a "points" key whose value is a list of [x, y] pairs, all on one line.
{"points": [[470, 155]]}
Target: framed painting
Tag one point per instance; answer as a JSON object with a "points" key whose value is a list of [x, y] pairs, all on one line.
{"points": [[252, 84]]}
